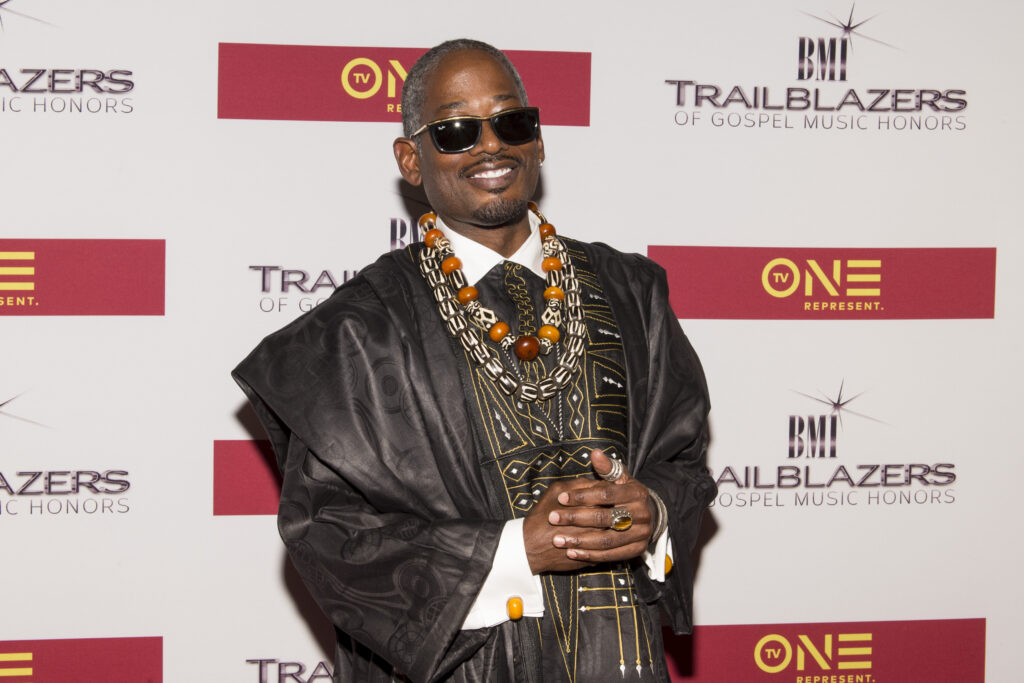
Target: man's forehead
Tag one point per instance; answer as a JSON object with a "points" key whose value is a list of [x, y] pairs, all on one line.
{"points": [[469, 74]]}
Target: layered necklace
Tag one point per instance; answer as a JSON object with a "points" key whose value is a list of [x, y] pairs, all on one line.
{"points": [[460, 308]]}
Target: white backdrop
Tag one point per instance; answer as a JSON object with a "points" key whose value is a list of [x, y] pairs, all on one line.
{"points": [[150, 394]]}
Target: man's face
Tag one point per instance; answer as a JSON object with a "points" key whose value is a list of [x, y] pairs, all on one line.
{"points": [[487, 186]]}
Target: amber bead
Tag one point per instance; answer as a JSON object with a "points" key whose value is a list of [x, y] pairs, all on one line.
{"points": [[554, 293], [431, 237], [549, 332], [551, 263], [532, 206], [546, 230], [450, 264], [427, 218], [514, 606], [498, 331], [467, 294], [527, 347], [668, 564]]}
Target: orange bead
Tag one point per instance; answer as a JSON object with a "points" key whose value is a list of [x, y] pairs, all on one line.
{"points": [[532, 206], [554, 293], [431, 237], [426, 218], [467, 294], [527, 347], [498, 331], [546, 230], [549, 332], [450, 264], [514, 606], [668, 564], [551, 263]]}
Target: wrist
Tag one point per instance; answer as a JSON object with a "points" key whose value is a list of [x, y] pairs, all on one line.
{"points": [[659, 521]]}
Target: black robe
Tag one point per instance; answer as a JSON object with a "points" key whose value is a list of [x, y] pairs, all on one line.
{"points": [[384, 509]]}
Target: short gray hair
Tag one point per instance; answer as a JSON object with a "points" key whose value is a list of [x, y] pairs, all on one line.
{"points": [[414, 91]]}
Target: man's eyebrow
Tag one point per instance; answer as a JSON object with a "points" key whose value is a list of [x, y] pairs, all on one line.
{"points": [[456, 104]]}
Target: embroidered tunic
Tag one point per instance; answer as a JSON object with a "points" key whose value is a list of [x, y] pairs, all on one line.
{"points": [[401, 463]]}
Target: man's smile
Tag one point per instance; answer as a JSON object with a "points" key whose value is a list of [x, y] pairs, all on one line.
{"points": [[492, 175], [496, 173]]}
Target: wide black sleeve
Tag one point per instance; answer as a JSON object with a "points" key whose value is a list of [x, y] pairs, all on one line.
{"points": [[373, 511], [672, 447], [396, 582]]}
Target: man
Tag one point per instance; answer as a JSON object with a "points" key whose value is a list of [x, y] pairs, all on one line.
{"points": [[439, 422]]}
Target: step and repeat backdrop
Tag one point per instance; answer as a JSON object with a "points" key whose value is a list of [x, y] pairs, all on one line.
{"points": [[833, 188]]}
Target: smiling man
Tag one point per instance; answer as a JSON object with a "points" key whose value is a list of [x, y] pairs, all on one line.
{"points": [[492, 443]]}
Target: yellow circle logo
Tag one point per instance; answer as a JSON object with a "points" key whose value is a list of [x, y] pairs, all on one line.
{"points": [[370, 85], [762, 649], [792, 277]]}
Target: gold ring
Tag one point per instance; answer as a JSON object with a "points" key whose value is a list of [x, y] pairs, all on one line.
{"points": [[621, 519]]}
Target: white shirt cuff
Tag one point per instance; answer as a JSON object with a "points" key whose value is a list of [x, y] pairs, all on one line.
{"points": [[510, 576], [655, 558]]}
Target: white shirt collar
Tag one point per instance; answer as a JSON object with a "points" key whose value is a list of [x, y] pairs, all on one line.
{"points": [[477, 259]]}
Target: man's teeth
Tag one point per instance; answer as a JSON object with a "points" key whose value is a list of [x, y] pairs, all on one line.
{"points": [[496, 173]]}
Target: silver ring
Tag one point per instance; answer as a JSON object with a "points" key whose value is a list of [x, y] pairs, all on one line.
{"points": [[621, 519], [615, 472]]}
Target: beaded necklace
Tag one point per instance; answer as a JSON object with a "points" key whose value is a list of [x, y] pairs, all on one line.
{"points": [[457, 300]]}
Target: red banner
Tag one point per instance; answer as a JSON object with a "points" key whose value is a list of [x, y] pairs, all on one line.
{"points": [[936, 651], [814, 284], [82, 660], [320, 83], [81, 277], [245, 478]]}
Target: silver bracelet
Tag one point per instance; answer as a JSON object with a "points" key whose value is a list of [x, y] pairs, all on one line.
{"points": [[661, 522]]}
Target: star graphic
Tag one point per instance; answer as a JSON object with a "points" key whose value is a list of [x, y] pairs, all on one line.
{"points": [[838, 405], [4, 8], [4, 404], [849, 28]]}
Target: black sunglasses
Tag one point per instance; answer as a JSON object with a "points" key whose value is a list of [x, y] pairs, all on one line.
{"points": [[461, 133]]}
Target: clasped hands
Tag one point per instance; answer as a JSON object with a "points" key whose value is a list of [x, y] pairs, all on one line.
{"points": [[569, 527]]}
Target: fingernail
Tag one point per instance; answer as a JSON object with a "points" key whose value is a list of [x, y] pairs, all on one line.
{"points": [[559, 541], [571, 553], [553, 517], [563, 498]]}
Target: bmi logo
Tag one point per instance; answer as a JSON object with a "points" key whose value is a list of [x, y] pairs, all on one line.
{"points": [[814, 436], [404, 233], [824, 59]]}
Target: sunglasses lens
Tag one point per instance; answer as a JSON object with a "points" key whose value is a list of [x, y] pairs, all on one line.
{"points": [[455, 136], [517, 127]]}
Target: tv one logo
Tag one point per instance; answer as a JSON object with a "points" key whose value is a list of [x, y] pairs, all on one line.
{"points": [[775, 653], [14, 664], [362, 78], [17, 264], [82, 660], [782, 277]]}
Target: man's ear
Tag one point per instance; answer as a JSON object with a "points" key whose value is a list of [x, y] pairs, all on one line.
{"points": [[408, 158], [540, 147]]}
